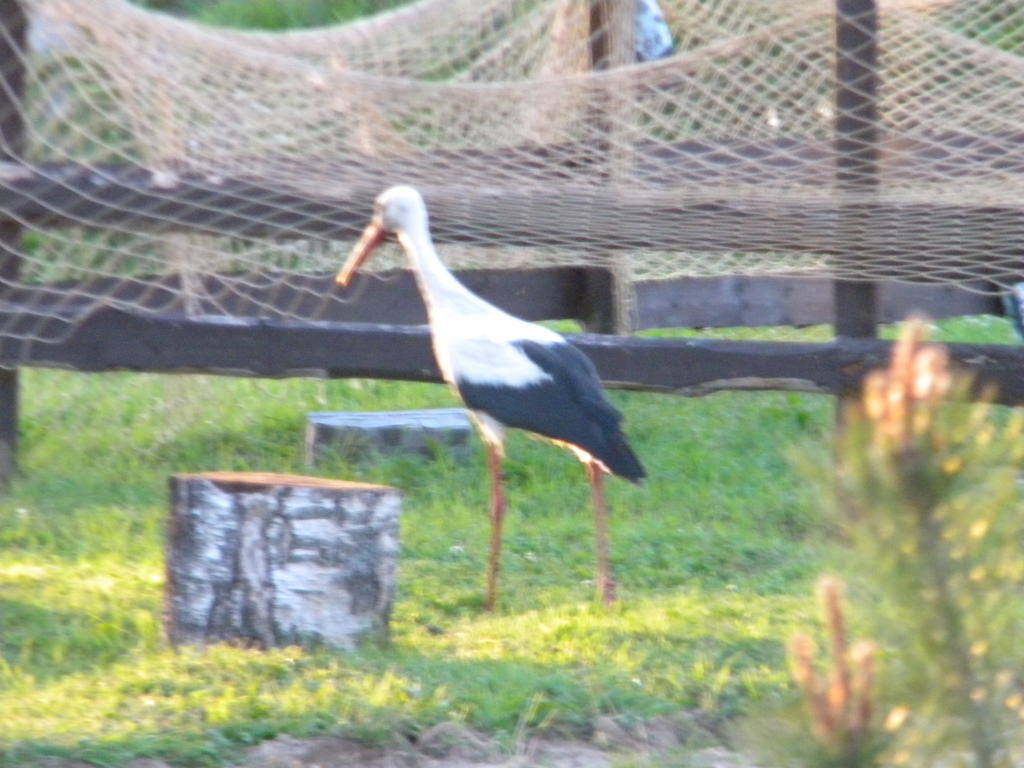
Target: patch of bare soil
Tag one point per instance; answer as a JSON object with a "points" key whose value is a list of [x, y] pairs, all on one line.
{"points": [[452, 745], [656, 743]]}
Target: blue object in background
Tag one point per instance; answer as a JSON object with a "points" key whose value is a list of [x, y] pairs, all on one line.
{"points": [[1013, 300], [653, 39]]}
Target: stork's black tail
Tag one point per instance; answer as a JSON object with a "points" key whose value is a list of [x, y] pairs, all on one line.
{"points": [[620, 459]]}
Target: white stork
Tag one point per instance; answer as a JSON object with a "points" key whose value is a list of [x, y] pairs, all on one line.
{"points": [[508, 372]]}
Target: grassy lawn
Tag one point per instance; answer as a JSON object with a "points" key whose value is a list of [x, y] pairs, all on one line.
{"points": [[715, 555], [271, 14]]}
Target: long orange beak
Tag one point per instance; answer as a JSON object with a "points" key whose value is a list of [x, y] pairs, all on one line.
{"points": [[371, 238]]}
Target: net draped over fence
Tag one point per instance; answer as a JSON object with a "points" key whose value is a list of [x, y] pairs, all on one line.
{"points": [[536, 138]]}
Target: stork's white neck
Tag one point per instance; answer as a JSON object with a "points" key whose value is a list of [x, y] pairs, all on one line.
{"points": [[461, 319], [472, 339], [441, 290]]}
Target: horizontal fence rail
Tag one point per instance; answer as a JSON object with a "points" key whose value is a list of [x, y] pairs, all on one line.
{"points": [[45, 312], [386, 297], [111, 339], [142, 200], [764, 301]]}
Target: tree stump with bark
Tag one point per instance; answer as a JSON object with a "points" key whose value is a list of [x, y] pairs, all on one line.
{"points": [[268, 560]]}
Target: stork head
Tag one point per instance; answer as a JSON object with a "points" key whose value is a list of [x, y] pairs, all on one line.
{"points": [[397, 210]]}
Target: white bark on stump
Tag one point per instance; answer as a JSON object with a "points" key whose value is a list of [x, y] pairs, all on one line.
{"points": [[269, 560]]}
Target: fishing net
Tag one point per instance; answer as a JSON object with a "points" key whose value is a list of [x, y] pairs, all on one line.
{"points": [[537, 138]]}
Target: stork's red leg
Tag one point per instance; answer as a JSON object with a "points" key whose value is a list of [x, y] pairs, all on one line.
{"points": [[605, 580], [497, 519]]}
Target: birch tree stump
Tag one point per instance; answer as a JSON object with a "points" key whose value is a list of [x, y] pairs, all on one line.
{"points": [[268, 560]]}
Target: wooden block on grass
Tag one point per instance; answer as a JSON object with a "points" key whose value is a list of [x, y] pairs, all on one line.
{"points": [[267, 560], [357, 436]]}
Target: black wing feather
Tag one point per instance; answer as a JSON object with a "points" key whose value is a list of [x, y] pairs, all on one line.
{"points": [[570, 407]]}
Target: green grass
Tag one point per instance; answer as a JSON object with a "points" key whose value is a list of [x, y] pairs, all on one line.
{"points": [[272, 14], [715, 555], [994, 23]]}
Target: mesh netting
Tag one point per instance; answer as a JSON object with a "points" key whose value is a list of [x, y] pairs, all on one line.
{"points": [[527, 156]]}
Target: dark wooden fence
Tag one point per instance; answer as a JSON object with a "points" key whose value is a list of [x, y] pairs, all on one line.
{"points": [[387, 343]]}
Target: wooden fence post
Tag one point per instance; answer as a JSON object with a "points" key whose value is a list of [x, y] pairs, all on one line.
{"points": [[856, 145], [611, 45], [13, 27]]}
